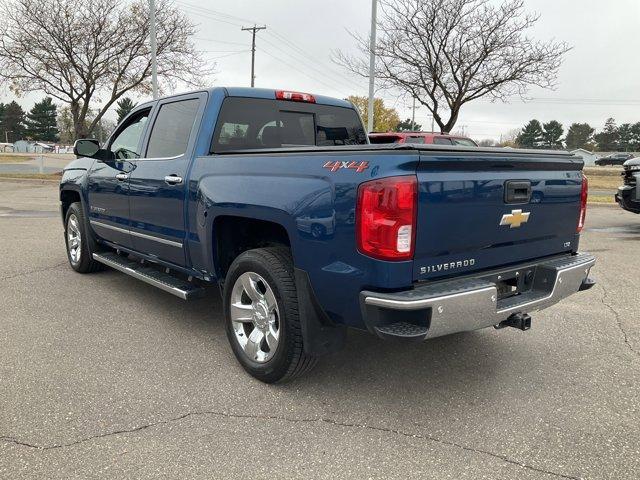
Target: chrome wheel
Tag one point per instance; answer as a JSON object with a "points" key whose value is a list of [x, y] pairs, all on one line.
{"points": [[255, 317], [74, 239]]}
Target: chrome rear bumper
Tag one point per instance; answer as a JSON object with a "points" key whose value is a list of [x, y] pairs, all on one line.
{"points": [[434, 310]]}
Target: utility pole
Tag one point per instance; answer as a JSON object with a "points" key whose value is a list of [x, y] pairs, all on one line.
{"points": [[413, 116], [253, 31], [152, 34], [372, 63]]}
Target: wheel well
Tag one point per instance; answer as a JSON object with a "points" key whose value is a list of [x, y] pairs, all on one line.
{"points": [[67, 197], [234, 235]]}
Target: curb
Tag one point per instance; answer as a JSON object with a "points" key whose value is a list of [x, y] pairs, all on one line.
{"points": [[40, 181]]}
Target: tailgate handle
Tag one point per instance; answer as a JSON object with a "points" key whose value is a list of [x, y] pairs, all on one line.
{"points": [[517, 191]]}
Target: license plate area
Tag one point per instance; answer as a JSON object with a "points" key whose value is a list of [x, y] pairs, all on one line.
{"points": [[512, 283]]}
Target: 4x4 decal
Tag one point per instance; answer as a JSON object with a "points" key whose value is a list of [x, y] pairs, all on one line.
{"points": [[359, 167]]}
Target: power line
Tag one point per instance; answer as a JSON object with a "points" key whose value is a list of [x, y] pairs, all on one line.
{"points": [[303, 56], [577, 101], [302, 53], [307, 64], [332, 87], [205, 12], [216, 12], [219, 41], [225, 51], [228, 54]]}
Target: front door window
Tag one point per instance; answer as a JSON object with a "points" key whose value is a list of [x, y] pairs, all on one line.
{"points": [[126, 143]]}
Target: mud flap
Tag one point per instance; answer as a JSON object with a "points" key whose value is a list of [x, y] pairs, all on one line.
{"points": [[321, 336]]}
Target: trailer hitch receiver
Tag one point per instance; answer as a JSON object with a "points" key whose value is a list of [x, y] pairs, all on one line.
{"points": [[521, 321]]}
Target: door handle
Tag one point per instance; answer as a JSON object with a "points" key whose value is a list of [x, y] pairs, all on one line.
{"points": [[122, 176], [173, 179]]}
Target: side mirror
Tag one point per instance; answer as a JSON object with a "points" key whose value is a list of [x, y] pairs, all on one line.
{"points": [[86, 147]]}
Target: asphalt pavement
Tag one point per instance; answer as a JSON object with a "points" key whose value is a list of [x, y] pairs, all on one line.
{"points": [[102, 376]]}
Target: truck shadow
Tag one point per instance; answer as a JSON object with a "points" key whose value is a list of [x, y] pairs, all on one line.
{"points": [[386, 372], [370, 366]]}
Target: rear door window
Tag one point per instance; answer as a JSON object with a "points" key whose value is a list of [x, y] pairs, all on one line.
{"points": [[172, 129], [251, 123], [415, 139], [442, 141]]}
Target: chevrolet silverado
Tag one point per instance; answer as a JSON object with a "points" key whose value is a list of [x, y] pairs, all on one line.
{"points": [[278, 198]]}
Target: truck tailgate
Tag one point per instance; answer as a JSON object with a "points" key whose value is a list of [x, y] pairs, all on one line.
{"points": [[466, 221]]}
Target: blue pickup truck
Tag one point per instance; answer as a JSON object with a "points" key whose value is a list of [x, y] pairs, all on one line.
{"points": [[277, 198]]}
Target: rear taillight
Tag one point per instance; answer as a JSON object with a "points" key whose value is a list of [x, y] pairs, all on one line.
{"points": [[583, 203], [386, 218], [295, 96]]}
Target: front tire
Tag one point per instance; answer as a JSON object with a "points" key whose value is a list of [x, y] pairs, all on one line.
{"points": [[261, 316], [80, 244]]}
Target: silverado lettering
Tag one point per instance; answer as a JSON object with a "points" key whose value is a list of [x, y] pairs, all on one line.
{"points": [[448, 266]]}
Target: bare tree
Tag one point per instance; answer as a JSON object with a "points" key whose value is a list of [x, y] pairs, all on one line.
{"points": [[88, 54], [450, 52]]}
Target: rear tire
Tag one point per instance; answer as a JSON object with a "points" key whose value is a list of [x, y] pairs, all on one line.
{"points": [[79, 242], [262, 317]]}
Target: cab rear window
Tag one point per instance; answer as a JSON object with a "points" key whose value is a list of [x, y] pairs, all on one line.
{"points": [[252, 123], [385, 138]]}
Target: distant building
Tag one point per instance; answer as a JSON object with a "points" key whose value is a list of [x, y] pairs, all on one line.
{"points": [[588, 157], [26, 146], [6, 147]]}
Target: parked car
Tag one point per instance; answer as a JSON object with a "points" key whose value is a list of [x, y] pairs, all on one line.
{"points": [[222, 187], [428, 138], [614, 159], [628, 195]]}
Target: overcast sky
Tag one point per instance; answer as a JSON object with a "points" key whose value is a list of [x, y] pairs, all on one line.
{"points": [[599, 78]]}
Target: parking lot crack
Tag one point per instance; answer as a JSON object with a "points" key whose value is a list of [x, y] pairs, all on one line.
{"points": [[29, 272], [452, 444], [616, 315], [325, 420], [18, 442]]}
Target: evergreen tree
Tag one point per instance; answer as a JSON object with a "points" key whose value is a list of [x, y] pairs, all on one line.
{"points": [[580, 135], [12, 127], [635, 137], [41, 121], [607, 139], [625, 137], [2, 108], [125, 105], [552, 135], [407, 126], [531, 135]]}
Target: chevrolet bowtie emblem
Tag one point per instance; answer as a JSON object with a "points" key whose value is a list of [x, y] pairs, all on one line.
{"points": [[515, 218]]}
